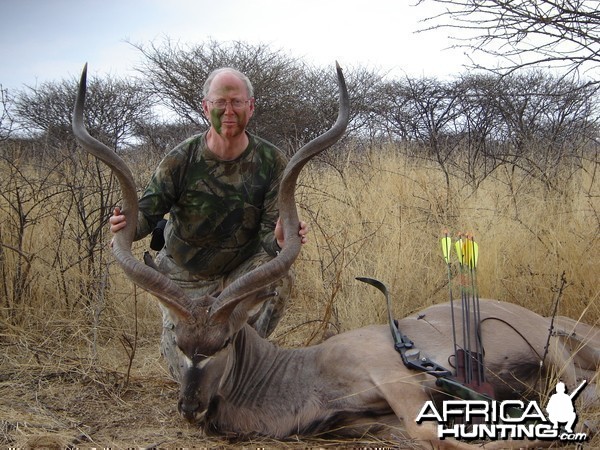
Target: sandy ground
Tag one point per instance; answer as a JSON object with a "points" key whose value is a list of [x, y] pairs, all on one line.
{"points": [[55, 398]]}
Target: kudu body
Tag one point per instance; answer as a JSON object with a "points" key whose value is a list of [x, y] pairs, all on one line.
{"points": [[239, 384]]}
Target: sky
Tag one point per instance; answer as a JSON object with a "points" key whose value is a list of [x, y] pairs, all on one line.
{"points": [[50, 40]]}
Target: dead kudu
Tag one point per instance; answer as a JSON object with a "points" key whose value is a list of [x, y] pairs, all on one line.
{"points": [[239, 384]]}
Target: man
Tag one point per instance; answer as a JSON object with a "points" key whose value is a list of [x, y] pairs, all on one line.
{"points": [[220, 190]]}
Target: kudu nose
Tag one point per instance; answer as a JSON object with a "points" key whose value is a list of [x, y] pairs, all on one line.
{"points": [[189, 403], [189, 410]]}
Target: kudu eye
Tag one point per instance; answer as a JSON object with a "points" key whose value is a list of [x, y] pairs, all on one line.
{"points": [[227, 342], [198, 356]]}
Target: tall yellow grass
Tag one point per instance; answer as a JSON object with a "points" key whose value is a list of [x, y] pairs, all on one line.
{"points": [[378, 214], [382, 214]]}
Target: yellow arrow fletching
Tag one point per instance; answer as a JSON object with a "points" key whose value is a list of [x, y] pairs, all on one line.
{"points": [[468, 251], [475, 254], [458, 245], [446, 248], [471, 252]]}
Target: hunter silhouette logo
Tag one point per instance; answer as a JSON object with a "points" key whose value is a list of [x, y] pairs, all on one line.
{"points": [[560, 406], [509, 419]]}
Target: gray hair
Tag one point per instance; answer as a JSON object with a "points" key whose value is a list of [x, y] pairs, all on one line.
{"points": [[237, 73]]}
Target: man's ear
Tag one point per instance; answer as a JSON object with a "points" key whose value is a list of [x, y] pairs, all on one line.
{"points": [[251, 106], [205, 108]]}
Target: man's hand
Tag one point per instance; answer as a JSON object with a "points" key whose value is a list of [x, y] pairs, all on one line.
{"points": [[117, 220], [302, 232]]}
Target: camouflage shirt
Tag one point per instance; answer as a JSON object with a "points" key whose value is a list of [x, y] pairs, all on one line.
{"points": [[220, 212]]}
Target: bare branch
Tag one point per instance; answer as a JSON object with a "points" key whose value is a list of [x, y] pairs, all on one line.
{"points": [[563, 34], [6, 120]]}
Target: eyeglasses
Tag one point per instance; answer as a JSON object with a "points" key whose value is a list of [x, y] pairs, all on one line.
{"points": [[222, 104]]}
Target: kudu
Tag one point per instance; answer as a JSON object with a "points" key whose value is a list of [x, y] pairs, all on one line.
{"points": [[239, 384]]}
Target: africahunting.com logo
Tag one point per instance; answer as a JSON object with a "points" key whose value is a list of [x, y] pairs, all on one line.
{"points": [[509, 419]]}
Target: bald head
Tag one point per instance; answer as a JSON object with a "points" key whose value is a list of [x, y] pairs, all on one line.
{"points": [[231, 71]]}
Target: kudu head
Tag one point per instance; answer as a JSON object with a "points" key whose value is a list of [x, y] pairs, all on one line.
{"points": [[204, 326]]}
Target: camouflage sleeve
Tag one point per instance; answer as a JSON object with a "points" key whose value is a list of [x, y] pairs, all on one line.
{"points": [[271, 211], [162, 191]]}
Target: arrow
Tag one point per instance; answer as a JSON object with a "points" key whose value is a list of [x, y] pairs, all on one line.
{"points": [[446, 242]]}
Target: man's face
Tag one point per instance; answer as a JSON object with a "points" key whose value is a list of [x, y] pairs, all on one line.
{"points": [[227, 105]]}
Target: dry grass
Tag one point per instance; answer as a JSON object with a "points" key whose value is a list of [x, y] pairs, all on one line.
{"points": [[86, 372]]}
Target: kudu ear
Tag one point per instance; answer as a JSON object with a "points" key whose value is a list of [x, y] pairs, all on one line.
{"points": [[238, 310]]}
